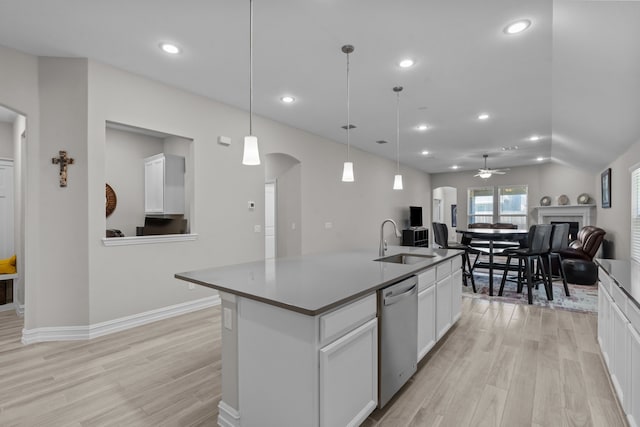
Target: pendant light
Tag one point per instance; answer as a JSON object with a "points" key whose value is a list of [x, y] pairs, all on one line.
{"points": [[397, 180], [347, 171], [251, 154]]}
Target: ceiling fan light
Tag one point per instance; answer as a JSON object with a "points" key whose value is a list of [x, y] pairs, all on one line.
{"points": [[397, 182], [484, 175], [347, 172]]}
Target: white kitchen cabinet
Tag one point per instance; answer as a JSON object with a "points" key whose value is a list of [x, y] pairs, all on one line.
{"points": [[604, 323], [443, 306], [164, 184], [348, 377], [633, 412], [426, 320], [620, 354], [456, 295]]}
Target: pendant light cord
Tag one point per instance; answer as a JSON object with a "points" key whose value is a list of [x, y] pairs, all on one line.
{"points": [[398, 131], [348, 109], [250, 67]]}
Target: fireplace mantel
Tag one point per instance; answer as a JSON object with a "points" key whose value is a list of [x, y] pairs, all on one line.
{"points": [[547, 213]]}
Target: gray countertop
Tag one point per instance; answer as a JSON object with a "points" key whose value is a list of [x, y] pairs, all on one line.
{"points": [[626, 274], [314, 284]]}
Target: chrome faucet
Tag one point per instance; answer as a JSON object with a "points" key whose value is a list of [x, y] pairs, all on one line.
{"points": [[383, 243]]}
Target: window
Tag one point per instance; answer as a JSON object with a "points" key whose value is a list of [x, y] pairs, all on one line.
{"points": [[635, 213], [513, 205], [505, 204], [480, 205]]}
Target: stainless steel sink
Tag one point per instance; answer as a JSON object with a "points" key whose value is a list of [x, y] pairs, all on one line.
{"points": [[405, 258]]}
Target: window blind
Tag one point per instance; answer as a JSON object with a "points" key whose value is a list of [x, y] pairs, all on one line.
{"points": [[635, 214]]}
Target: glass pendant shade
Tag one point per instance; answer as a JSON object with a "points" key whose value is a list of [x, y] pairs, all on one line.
{"points": [[347, 172], [397, 182], [251, 155]]}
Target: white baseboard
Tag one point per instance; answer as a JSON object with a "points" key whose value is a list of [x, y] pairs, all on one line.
{"points": [[71, 333], [227, 416]]}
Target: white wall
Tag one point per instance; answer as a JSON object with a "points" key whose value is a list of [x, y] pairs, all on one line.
{"points": [[19, 170], [616, 221], [548, 179], [19, 92], [125, 152], [125, 280], [6, 140]]}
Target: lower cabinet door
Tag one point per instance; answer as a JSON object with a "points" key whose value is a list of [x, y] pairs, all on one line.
{"points": [[349, 377], [426, 321], [456, 295], [443, 306], [604, 323], [634, 378], [619, 358]]}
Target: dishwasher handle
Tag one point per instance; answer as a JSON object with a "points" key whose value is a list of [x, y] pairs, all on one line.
{"points": [[390, 300]]}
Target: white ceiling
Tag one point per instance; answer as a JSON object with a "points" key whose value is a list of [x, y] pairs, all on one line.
{"points": [[572, 77]]}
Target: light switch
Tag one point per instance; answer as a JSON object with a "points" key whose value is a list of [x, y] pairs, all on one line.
{"points": [[227, 321], [224, 140], [328, 225], [293, 225], [256, 228]]}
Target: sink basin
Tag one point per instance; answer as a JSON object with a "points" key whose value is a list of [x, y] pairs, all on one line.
{"points": [[405, 258]]}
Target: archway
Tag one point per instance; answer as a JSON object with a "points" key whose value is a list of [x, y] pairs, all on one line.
{"points": [[283, 206]]}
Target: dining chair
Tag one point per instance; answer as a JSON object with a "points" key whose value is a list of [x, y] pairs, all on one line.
{"points": [[538, 245], [559, 241], [441, 238]]}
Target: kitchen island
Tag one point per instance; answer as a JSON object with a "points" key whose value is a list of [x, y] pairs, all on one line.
{"points": [[300, 335]]}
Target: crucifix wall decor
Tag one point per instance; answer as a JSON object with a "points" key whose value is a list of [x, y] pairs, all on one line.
{"points": [[63, 161]]}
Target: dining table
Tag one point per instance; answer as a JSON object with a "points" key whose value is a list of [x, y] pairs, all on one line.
{"points": [[491, 235]]}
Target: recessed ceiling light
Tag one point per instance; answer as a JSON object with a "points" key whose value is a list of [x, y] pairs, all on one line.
{"points": [[406, 63], [540, 159], [170, 48], [510, 148], [483, 116], [287, 99], [455, 167], [422, 127], [517, 27], [425, 152], [534, 138]]}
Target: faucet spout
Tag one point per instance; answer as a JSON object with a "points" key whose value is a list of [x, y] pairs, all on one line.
{"points": [[383, 243]]}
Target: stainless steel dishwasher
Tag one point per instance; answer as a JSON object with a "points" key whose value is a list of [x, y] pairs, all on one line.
{"points": [[398, 308]]}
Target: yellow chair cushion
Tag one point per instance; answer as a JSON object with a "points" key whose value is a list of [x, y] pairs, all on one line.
{"points": [[8, 266]]}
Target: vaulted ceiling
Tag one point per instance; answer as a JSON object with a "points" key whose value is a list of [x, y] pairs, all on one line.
{"points": [[572, 78]]}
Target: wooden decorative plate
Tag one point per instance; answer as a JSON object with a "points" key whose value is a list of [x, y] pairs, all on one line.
{"points": [[111, 200]]}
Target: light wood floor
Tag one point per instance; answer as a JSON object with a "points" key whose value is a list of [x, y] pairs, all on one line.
{"points": [[501, 365]]}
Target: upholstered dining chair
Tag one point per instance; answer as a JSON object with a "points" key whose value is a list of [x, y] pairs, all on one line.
{"points": [[441, 238]]}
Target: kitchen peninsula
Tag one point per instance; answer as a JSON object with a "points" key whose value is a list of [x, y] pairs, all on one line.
{"points": [[300, 335]]}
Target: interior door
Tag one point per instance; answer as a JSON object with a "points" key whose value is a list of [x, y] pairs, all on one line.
{"points": [[270, 220], [6, 209]]}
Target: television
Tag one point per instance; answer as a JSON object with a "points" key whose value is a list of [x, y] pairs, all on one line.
{"points": [[415, 216]]}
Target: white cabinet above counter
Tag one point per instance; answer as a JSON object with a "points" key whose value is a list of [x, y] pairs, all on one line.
{"points": [[300, 335]]}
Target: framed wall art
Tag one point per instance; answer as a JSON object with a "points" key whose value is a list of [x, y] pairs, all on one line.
{"points": [[605, 183]]}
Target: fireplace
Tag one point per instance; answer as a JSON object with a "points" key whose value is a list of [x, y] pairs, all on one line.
{"points": [[574, 227], [580, 214]]}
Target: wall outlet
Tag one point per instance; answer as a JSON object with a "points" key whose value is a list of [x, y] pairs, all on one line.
{"points": [[328, 225], [227, 319], [257, 228], [224, 140], [191, 286], [293, 225]]}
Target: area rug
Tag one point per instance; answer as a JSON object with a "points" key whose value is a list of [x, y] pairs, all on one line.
{"points": [[583, 298]]}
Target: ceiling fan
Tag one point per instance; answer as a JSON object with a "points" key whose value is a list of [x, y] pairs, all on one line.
{"points": [[486, 172]]}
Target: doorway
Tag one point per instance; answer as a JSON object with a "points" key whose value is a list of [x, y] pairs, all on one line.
{"points": [[12, 185], [283, 206], [445, 208], [270, 247]]}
